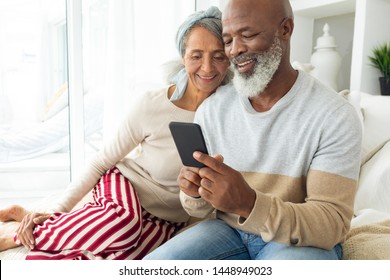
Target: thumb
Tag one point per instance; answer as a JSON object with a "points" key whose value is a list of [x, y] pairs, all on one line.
{"points": [[40, 219], [219, 158]]}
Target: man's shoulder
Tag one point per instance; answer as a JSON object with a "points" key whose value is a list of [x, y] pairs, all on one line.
{"points": [[319, 95], [224, 94]]}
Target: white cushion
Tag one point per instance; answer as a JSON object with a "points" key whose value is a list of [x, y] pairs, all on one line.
{"points": [[376, 112], [374, 182], [369, 216]]}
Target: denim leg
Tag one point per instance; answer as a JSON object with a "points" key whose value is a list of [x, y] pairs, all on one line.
{"points": [[278, 251], [209, 240], [261, 250]]}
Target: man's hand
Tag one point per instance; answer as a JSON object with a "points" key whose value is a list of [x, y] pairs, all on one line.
{"points": [[25, 231], [224, 187], [189, 179]]}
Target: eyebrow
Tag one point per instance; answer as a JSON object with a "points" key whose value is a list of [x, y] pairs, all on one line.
{"points": [[242, 29], [202, 51]]}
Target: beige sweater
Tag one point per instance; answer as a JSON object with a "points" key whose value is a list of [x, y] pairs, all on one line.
{"points": [[153, 172]]}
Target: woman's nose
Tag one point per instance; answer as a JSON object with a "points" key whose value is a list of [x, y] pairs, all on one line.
{"points": [[207, 64]]}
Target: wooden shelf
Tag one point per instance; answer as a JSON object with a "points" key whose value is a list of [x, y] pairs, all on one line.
{"points": [[355, 40]]}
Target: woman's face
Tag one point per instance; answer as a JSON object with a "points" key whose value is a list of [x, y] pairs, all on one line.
{"points": [[205, 60]]}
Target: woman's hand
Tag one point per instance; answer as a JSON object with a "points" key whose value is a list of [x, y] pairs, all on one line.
{"points": [[25, 231]]}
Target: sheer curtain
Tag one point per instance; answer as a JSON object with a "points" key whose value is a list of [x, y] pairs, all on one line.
{"points": [[125, 42]]}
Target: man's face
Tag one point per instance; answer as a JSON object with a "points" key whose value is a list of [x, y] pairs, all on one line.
{"points": [[254, 81], [253, 47]]}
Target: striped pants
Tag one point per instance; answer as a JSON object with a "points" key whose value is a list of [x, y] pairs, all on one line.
{"points": [[114, 226]]}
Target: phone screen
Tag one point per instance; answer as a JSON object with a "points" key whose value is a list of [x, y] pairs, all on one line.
{"points": [[188, 138]]}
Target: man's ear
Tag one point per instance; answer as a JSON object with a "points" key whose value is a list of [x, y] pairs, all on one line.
{"points": [[287, 28]]}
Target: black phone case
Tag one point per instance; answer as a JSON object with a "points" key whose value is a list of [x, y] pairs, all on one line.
{"points": [[188, 138]]}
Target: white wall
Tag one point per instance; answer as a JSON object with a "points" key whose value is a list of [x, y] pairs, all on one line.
{"points": [[368, 34], [302, 39], [205, 4]]}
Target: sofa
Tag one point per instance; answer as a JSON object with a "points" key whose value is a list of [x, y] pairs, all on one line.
{"points": [[369, 237]]}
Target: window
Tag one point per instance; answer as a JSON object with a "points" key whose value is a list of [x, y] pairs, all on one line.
{"points": [[123, 44], [33, 98]]}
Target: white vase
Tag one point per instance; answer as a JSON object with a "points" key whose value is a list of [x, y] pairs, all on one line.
{"points": [[326, 60]]}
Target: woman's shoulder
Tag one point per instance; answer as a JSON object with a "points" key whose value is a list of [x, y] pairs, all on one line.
{"points": [[147, 101], [156, 94]]}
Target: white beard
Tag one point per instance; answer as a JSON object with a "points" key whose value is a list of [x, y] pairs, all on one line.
{"points": [[253, 84]]}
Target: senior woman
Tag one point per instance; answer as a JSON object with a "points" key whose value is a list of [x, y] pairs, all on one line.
{"points": [[136, 205]]}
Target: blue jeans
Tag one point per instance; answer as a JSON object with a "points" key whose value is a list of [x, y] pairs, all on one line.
{"points": [[215, 240]]}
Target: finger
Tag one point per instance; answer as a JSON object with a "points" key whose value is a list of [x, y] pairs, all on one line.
{"points": [[22, 239], [188, 188], [28, 240], [191, 169], [19, 233], [207, 185], [30, 237], [192, 177], [214, 163], [26, 231], [205, 194], [219, 157]]}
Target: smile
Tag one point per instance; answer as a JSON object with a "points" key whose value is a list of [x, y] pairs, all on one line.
{"points": [[245, 63], [246, 66], [206, 78]]}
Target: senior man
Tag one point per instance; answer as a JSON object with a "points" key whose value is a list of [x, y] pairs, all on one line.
{"points": [[290, 147]]}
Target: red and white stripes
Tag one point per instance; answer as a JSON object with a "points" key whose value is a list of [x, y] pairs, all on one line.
{"points": [[114, 226]]}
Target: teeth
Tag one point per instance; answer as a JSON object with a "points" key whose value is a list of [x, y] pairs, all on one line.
{"points": [[245, 63], [207, 78]]}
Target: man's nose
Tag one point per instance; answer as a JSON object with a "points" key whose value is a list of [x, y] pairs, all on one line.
{"points": [[236, 48]]}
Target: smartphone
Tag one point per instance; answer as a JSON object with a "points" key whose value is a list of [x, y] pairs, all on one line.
{"points": [[188, 138]]}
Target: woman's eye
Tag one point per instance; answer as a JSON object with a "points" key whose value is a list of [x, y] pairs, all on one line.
{"points": [[195, 57]]}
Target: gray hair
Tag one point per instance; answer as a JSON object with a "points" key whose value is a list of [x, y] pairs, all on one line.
{"points": [[211, 21]]}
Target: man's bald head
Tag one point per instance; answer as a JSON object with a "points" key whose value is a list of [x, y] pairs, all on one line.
{"points": [[273, 9]]}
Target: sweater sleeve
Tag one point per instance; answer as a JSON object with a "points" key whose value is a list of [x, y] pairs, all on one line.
{"points": [[130, 133], [195, 207]]}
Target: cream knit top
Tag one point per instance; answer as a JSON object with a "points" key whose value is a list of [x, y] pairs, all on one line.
{"points": [[154, 169]]}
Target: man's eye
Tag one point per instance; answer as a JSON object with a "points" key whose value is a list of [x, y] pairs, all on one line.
{"points": [[248, 36], [219, 58], [195, 57], [227, 42]]}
